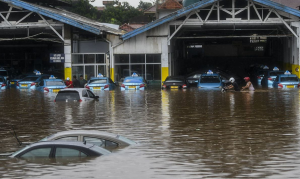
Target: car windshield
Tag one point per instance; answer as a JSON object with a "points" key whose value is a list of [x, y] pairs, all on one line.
{"points": [[97, 81], [286, 79], [275, 73], [3, 73], [174, 79], [55, 83], [100, 150], [67, 95], [195, 76], [30, 78], [125, 139], [210, 79], [133, 80]]}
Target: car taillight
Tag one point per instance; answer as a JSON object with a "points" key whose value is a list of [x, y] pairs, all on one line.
{"points": [[258, 77], [299, 85], [123, 86], [106, 86], [3, 84], [32, 84], [87, 87], [271, 79], [280, 85], [17, 84], [184, 86], [142, 85], [80, 100], [46, 89], [164, 86]]}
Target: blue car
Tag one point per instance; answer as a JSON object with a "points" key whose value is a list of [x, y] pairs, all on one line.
{"points": [[260, 75], [3, 85], [15, 80], [285, 81], [100, 83], [210, 80], [30, 82], [133, 83], [51, 85], [272, 76]]}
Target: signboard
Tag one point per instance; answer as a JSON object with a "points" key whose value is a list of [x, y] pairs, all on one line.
{"points": [[57, 58]]}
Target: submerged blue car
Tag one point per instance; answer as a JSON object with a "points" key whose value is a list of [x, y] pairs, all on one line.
{"points": [[100, 83], [30, 81], [272, 76], [285, 81], [210, 80], [3, 85], [133, 83], [51, 85]]}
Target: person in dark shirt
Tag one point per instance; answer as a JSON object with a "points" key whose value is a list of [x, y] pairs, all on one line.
{"points": [[82, 82], [76, 83], [233, 85]]}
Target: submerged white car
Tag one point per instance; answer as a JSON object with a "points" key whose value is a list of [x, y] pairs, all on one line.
{"points": [[99, 138], [75, 94]]}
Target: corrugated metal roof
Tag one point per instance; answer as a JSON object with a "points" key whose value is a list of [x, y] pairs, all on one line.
{"points": [[168, 18], [198, 5], [66, 17]]}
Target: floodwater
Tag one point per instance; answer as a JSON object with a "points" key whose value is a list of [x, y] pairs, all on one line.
{"points": [[181, 134]]}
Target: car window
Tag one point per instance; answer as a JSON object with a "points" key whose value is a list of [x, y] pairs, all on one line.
{"points": [[91, 95], [70, 138], [55, 83], [36, 153], [133, 80], [174, 79], [210, 79], [67, 95], [30, 78], [62, 152], [98, 81], [42, 83], [100, 142], [84, 93], [285, 79]]}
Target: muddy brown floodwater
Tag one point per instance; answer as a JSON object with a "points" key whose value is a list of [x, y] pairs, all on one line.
{"points": [[181, 134]]}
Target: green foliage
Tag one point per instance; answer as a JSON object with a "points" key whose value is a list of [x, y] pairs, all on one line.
{"points": [[144, 5], [116, 13], [119, 14]]}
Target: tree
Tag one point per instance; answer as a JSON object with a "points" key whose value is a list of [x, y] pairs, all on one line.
{"points": [[144, 5], [84, 8], [119, 14]]}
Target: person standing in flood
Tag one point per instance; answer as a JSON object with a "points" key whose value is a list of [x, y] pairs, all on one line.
{"points": [[249, 85], [69, 83], [76, 82], [82, 82], [233, 85]]}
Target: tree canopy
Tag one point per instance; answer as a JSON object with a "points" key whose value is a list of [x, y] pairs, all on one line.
{"points": [[116, 13]]}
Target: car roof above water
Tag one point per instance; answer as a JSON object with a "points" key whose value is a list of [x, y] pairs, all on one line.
{"points": [[82, 132]]}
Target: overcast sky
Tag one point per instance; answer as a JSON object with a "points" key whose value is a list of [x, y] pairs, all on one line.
{"points": [[133, 3]]}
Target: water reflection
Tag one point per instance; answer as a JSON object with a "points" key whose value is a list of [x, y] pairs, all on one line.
{"points": [[181, 133]]}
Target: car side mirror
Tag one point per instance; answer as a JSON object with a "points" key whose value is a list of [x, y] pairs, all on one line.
{"points": [[96, 97]]}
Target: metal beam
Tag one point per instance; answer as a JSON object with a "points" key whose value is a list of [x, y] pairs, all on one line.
{"points": [[5, 19], [9, 11], [267, 17], [256, 11], [212, 7], [179, 28], [51, 27], [24, 18], [286, 24], [221, 37], [199, 17]]}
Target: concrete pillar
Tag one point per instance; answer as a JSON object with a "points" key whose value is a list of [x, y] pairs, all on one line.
{"points": [[165, 60], [67, 51]]}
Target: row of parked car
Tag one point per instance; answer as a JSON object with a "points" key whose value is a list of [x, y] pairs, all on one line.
{"points": [[275, 78]]}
